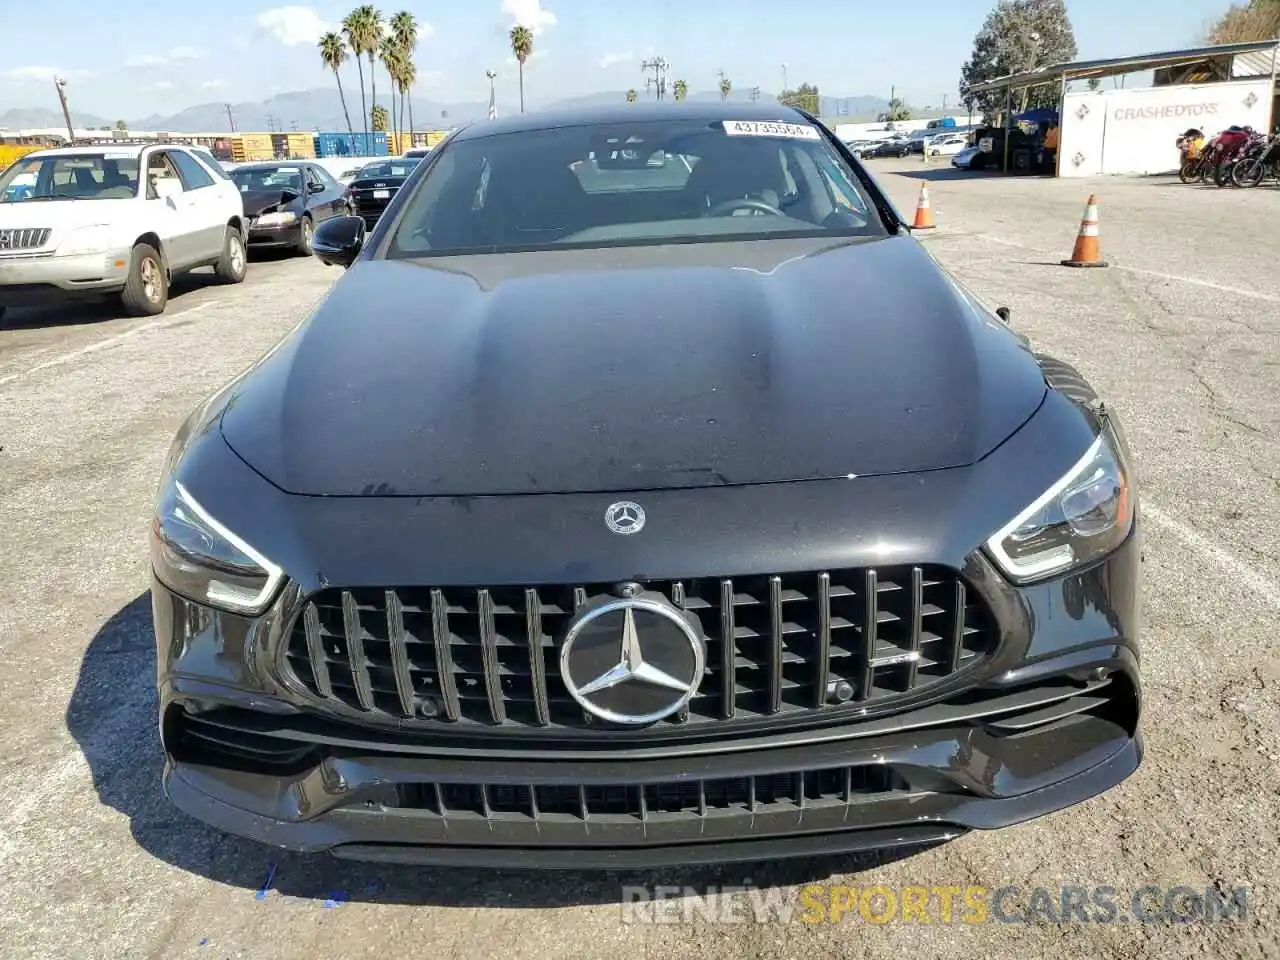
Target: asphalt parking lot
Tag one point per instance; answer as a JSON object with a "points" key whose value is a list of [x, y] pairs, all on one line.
{"points": [[1181, 334]]}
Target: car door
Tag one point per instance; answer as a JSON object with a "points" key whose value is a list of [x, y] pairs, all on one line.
{"points": [[169, 210], [320, 197], [209, 226]]}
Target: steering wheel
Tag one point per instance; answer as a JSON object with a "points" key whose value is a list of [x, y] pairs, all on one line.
{"points": [[744, 203]]}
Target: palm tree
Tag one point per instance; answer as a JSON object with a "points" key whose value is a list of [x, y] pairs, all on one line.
{"points": [[725, 86], [378, 117], [404, 27], [361, 31], [377, 30], [681, 89], [408, 77], [522, 47], [632, 96], [333, 51], [392, 57]]}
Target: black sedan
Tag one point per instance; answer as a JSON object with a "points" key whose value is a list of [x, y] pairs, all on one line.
{"points": [[601, 516], [891, 148], [376, 184], [284, 201]]}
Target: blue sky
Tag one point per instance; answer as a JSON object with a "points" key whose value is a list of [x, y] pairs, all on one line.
{"points": [[130, 58]]}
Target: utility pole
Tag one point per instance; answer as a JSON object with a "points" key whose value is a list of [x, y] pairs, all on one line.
{"points": [[659, 66], [230, 119], [493, 106], [784, 80], [754, 94], [61, 86]]}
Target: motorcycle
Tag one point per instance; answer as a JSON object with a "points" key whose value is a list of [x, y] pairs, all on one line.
{"points": [[1235, 152], [1263, 159]]}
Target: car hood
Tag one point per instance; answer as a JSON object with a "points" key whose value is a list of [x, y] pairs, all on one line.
{"points": [[633, 368], [258, 202], [61, 215]]}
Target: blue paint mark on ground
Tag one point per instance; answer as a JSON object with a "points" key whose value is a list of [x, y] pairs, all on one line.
{"points": [[336, 899], [262, 892]]}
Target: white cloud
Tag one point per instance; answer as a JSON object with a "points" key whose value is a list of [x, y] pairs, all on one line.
{"points": [[162, 85], [613, 59], [293, 26], [42, 74], [213, 85], [175, 56], [529, 13]]}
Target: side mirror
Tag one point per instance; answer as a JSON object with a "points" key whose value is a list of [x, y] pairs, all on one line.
{"points": [[338, 241], [315, 188], [1003, 313]]}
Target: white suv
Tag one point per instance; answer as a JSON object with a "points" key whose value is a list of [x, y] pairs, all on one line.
{"points": [[104, 220]]}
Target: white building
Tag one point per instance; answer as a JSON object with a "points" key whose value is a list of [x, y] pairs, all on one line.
{"points": [[1132, 130]]}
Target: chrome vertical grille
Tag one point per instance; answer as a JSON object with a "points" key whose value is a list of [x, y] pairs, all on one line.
{"points": [[13, 239], [776, 645]]}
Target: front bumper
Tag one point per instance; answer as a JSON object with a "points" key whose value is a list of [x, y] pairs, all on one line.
{"points": [[47, 278], [1023, 739], [266, 238]]}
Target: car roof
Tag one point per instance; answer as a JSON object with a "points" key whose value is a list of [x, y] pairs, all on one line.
{"points": [[271, 164], [131, 149], [628, 112]]}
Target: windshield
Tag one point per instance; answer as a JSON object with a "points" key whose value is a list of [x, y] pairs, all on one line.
{"points": [[248, 179], [632, 183], [70, 177], [389, 168]]}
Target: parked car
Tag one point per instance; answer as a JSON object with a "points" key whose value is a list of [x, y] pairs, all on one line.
{"points": [[861, 148], [115, 220], [969, 158], [895, 147], [947, 145], [693, 519], [376, 184], [285, 201]]}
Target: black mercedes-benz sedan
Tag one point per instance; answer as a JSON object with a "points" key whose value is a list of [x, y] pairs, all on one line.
{"points": [[643, 493]]}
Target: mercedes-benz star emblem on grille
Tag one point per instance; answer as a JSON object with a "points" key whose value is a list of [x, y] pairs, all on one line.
{"points": [[624, 517], [632, 661]]}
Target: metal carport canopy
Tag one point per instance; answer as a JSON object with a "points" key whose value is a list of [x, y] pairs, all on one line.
{"points": [[1084, 69]]}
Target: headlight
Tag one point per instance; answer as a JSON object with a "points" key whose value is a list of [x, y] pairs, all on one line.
{"points": [[1082, 517], [280, 219], [86, 240], [196, 556]]}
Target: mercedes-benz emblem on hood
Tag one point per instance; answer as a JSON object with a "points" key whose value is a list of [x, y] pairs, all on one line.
{"points": [[624, 517], [632, 661]]}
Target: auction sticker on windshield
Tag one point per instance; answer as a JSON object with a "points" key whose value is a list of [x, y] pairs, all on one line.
{"points": [[755, 128]]}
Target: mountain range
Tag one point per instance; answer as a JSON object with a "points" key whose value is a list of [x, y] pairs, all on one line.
{"points": [[320, 109]]}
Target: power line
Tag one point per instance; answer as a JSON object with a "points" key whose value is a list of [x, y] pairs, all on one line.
{"points": [[658, 82]]}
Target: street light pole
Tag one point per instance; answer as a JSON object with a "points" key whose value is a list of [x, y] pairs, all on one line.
{"points": [[61, 86], [493, 107]]}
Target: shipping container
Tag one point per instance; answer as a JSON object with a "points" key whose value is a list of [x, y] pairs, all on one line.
{"points": [[351, 145], [246, 147], [301, 146], [11, 153]]}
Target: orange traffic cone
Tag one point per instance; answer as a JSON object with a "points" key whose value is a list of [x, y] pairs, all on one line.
{"points": [[1086, 252], [924, 212]]}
